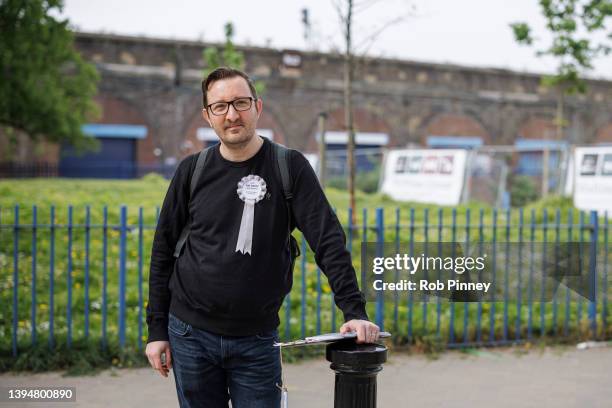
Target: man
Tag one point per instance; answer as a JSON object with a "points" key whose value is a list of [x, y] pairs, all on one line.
{"points": [[214, 312]]}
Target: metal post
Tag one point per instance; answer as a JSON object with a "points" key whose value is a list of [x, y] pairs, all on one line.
{"points": [[15, 281], [69, 282], [380, 241], [122, 273], [545, 170], [322, 148], [356, 367], [593, 273]]}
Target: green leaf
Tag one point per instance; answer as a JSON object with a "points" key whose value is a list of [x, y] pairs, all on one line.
{"points": [[564, 19], [229, 57], [47, 89], [522, 33]]}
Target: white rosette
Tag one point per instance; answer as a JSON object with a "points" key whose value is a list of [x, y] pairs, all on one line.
{"points": [[251, 189]]}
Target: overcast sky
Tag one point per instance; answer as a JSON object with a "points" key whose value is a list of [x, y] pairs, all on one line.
{"points": [[465, 32]]}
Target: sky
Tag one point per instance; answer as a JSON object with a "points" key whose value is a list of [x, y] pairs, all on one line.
{"points": [[467, 32]]}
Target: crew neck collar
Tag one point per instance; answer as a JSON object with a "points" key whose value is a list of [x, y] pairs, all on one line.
{"points": [[248, 161]]}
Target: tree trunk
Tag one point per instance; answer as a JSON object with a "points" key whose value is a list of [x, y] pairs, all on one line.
{"points": [[348, 109], [559, 136]]}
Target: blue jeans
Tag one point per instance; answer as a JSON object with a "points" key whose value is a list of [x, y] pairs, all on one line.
{"points": [[211, 369]]}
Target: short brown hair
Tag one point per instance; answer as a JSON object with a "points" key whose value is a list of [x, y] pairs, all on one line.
{"points": [[225, 73]]}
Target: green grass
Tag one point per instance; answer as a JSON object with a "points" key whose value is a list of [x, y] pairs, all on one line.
{"points": [[148, 193]]}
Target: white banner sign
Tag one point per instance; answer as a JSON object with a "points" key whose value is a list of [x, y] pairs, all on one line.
{"points": [[433, 176], [593, 178]]}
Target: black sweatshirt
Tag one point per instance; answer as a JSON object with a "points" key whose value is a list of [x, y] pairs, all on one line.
{"points": [[215, 288]]}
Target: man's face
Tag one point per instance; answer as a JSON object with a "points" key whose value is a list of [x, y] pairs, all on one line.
{"points": [[235, 127]]}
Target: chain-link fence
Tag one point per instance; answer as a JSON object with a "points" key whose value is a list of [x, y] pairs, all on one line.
{"points": [[510, 175], [368, 165], [495, 175]]}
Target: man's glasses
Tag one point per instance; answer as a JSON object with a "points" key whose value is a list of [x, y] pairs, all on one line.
{"points": [[240, 104]]}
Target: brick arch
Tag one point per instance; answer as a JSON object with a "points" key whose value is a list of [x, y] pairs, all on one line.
{"points": [[116, 110], [268, 120], [364, 121], [537, 127], [604, 134], [453, 124], [190, 143]]}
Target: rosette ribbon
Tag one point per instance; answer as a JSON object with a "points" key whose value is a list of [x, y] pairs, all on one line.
{"points": [[251, 190]]}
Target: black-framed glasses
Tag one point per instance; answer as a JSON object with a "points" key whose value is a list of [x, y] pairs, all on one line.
{"points": [[240, 104]]}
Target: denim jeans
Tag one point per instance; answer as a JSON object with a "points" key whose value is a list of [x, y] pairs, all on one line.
{"points": [[211, 369]]}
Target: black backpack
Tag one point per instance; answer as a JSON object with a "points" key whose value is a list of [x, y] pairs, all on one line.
{"points": [[282, 157]]}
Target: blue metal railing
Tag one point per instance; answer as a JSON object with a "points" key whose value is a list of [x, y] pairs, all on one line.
{"points": [[109, 260]]}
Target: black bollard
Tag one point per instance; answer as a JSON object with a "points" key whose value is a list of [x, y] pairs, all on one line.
{"points": [[356, 367]]}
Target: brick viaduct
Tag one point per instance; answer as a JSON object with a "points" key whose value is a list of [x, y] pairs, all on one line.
{"points": [[156, 83]]}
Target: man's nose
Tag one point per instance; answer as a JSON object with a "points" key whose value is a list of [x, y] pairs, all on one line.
{"points": [[232, 114]]}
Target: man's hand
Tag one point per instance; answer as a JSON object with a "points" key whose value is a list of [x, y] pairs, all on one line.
{"points": [[367, 332], [154, 351]]}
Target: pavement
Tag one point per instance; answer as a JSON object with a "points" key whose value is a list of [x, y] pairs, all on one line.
{"points": [[514, 377]]}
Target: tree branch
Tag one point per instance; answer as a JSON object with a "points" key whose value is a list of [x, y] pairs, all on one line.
{"points": [[337, 5], [371, 39], [359, 7]]}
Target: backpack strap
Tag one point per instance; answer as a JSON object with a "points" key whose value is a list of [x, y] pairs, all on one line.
{"points": [[194, 181], [283, 158], [198, 169]]}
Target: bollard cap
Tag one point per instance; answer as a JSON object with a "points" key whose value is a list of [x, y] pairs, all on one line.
{"points": [[349, 353]]}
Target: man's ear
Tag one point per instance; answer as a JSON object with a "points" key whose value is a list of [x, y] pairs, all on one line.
{"points": [[206, 117], [259, 107]]}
